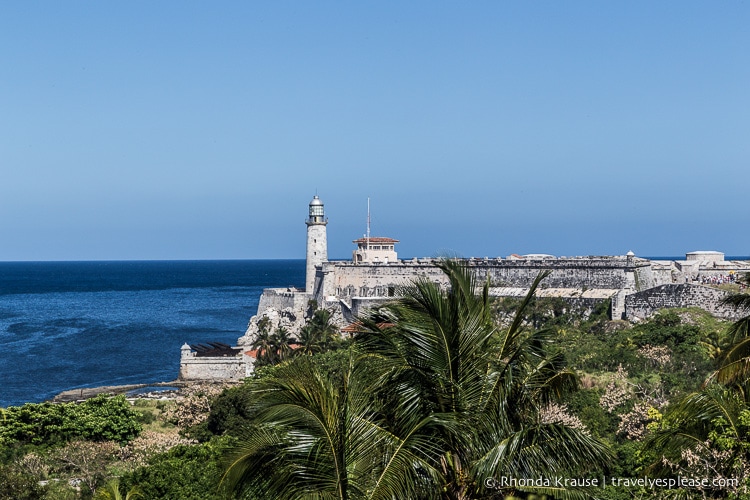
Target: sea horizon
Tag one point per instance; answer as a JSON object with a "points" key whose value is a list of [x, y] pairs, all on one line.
{"points": [[345, 258]]}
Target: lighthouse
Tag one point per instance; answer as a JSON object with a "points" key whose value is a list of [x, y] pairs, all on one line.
{"points": [[317, 244]]}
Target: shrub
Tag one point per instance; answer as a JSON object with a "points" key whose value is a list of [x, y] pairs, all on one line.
{"points": [[184, 473], [101, 418], [17, 485]]}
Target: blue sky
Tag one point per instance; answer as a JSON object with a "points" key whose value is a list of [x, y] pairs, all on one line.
{"points": [[201, 130]]}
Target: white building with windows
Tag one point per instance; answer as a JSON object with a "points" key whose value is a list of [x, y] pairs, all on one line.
{"points": [[374, 250]]}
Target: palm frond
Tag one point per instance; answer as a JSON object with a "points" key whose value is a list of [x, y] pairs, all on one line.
{"points": [[688, 422], [507, 346], [740, 301], [735, 365], [693, 423], [545, 450]]}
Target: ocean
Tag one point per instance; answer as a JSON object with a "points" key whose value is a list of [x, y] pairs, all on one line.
{"points": [[65, 325]]}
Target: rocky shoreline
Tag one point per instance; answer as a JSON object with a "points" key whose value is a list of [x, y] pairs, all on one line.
{"points": [[90, 392]]}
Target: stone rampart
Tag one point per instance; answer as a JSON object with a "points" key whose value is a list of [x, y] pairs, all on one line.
{"points": [[644, 304], [569, 273], [662, 273], [193, 367], [283, 298], [346, 280]]}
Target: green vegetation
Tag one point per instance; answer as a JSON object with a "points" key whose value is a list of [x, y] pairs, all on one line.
{"points": [[433, 401], [185, 472], [96, 419], [76, 450], [439, 396], [48, 442]]}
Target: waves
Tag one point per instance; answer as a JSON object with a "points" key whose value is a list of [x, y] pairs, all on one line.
{"points": [[97, 327]]}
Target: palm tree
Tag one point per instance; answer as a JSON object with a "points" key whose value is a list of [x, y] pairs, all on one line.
{"points": [[281, 345], [318, 335], [263, 347], [111, 491], [273, 347], [317, 435], [448, 360]]}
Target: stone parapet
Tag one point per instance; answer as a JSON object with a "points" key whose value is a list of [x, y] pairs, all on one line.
{"points": [[644, 304], [346, 280], [283, 298], [193, 367]]}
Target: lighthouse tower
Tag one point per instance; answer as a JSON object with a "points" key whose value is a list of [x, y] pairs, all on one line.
{"points": [[317, 244]]}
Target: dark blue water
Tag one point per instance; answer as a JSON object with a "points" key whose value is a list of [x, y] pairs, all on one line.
{"points": [[65, 325]]}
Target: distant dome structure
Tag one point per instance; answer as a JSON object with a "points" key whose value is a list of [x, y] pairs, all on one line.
{"points": [[538, 256]]}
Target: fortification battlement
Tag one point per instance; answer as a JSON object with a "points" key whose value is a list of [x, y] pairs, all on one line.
{"points": [[282, 292], [613, 262], [551, 262]]}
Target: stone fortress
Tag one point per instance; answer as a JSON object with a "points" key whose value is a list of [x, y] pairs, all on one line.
{"points": [[635, 287]]}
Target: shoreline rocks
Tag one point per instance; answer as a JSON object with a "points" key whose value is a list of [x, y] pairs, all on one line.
{"points": [[84, 393]]}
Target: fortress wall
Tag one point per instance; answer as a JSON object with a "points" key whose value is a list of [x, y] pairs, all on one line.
{"points": [[583, 306], [282, 298], [660, 275], [211, 368], [645, 277], [347, 280], [563, 276], [646, 303], [644, 287]]}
